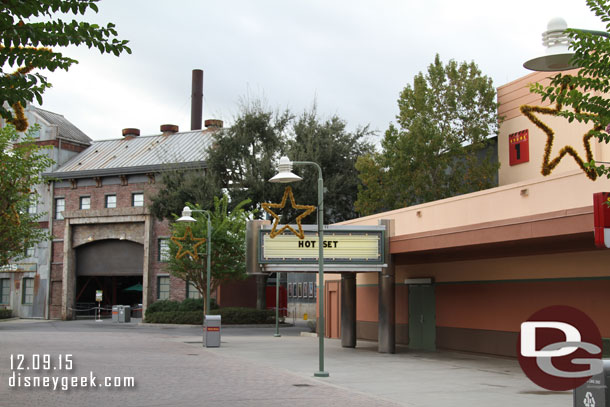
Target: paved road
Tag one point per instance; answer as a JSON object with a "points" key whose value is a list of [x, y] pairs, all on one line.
{"points": [[251, 368]]}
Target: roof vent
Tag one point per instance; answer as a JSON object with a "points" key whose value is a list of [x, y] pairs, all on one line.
{"points": [[131, 133], [168, 129], [213, 124]]}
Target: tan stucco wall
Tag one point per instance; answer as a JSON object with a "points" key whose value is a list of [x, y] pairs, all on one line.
{"points": [[565, 191], [559, 265], [511, 97]]}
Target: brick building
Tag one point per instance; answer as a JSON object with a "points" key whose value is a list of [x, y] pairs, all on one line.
{"points": [[104, 235], [24, 283]]}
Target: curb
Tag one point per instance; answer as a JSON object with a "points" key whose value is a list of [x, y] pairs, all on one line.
{"points": [[148, 324]]}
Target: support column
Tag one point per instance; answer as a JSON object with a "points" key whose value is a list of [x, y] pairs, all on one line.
{"points": [[387, 308], [68, 280], [348, 310], [252, 265], [147, 294]]}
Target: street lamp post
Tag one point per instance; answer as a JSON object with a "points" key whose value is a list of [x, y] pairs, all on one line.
{"points": [[558, 56], [277, 305], [285, 175], [186, 217]]}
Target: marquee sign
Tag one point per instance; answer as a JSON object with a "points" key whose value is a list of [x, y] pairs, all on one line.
{"points": [[342, 244]]}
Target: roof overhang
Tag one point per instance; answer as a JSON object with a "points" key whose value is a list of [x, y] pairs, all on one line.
{"points": [[143, 169], [560, 231]]}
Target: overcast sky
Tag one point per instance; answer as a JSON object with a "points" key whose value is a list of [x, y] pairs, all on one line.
{"points": [[352, 57]]}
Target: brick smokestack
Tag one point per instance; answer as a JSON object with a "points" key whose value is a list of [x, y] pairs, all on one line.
{"points": [[197, 100]]}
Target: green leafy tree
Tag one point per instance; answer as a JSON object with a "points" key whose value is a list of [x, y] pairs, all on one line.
{"points": [[244, 157], [440, 147], [179, 186], [239, 163], [29, 29], [328, 143], [21, 163], [228, 261], [584, 96]]}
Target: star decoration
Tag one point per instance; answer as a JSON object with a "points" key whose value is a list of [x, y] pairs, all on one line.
{"points": [[547, 164], [188, 233], [287, 194]]}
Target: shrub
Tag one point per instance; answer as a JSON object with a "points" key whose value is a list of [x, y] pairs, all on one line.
{"points": [[189, 311], [162, 306], [6, 313], [175, 317], [188, 304], [239, 315]]}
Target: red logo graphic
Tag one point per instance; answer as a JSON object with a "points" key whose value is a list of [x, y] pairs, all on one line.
{"points": [[559, 348]]}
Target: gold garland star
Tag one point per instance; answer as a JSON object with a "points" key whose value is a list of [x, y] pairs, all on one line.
{"points": [[549, 165], [267, 208], [181, 250]]}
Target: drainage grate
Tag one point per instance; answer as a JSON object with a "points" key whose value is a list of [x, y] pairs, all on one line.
{"points": [[302, 385]]}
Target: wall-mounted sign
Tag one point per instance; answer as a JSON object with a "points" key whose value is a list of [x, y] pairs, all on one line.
{"points": [[341, 245], [18, 268], [519, 147], [98, 295]]}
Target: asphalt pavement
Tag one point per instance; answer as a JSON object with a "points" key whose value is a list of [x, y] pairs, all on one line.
{"points": [[170, 367]]}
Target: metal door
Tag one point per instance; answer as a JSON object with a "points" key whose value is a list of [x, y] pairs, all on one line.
{"points": [[422, 317]]}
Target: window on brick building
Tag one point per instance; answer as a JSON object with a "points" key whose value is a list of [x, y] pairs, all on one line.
{"points": [[33, 208], [137, 199], [85, 202], [5, 290], [110, 201], [29, 251], [60, 206], [27, 291], [192, 291], [163, 288], [163, 249]]}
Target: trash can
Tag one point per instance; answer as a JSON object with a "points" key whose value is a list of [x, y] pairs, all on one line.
{"points": [[124, 313], [211, 333], [127, 312], [595, 392], [115, 313], [136, 312]]}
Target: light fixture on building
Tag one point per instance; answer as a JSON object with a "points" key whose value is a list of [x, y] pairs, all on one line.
{"points": [[558, 56]]}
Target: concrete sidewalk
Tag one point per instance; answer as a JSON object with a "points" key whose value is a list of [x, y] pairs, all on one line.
{"points": [[409, 378], [254, 368]]}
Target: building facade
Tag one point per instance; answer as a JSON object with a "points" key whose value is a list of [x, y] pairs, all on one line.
{"points": [[24, 284], [466, 271], [105, 237]]}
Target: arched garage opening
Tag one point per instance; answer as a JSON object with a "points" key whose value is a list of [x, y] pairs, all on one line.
{"points": [[113, 266]]}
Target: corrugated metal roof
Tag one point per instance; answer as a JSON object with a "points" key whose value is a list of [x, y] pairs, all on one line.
{"points": [[67, 130], [146, 153]]}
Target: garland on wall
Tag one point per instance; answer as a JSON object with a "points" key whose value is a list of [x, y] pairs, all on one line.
{"points": [[276, 219], [547, 164]]}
